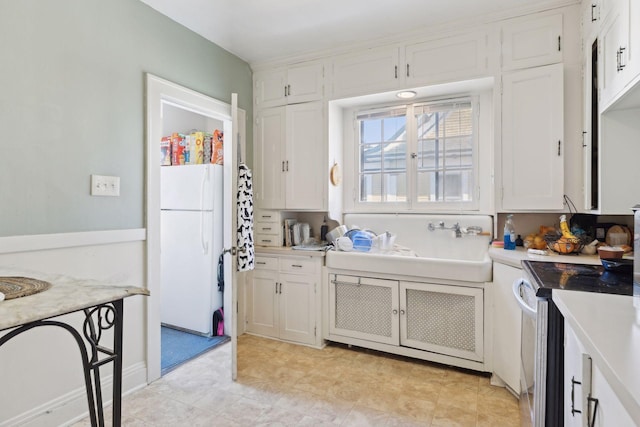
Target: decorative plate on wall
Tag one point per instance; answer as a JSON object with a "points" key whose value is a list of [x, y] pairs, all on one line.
{"points": [[336, 174]]}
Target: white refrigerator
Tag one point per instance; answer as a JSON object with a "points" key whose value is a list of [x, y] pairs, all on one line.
{"points": [[191, 242]]}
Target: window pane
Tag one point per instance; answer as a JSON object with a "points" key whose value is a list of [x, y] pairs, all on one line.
{"points": [[396, 187], [429, 186], [395, 128], [370, 131], [371, 158], [371, 188], [395, 156]]}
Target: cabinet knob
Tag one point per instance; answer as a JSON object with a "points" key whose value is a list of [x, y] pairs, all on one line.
{"points": [[395, 311]]}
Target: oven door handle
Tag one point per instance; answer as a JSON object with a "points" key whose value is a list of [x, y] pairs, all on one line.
{"points": [[517, 284]]}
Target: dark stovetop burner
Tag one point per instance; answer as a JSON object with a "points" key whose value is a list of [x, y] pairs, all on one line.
{"points": [[547, 276]]}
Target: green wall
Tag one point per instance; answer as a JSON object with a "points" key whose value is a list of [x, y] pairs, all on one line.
{"points": [[72, 105]]}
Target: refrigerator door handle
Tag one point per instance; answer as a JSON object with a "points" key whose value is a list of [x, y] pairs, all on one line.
{"points": [[205, 178]]}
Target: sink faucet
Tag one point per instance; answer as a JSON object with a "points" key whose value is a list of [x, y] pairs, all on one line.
{"points": [[456, 229]]}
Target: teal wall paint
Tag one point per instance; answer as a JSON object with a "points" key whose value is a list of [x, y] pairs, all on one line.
{"points": [[72, 105]]}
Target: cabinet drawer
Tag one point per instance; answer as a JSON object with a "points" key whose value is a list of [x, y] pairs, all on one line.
{"points": [[267, 240], [298, 265], [261, 216], [266, 228], [266, 263]]}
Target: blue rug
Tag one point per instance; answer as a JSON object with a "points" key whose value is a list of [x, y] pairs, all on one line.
{"points": [[177, 347]]}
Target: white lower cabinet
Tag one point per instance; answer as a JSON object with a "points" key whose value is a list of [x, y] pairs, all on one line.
{"points": [[281, 298], [589, 400], [440, 319], [507, 324]]}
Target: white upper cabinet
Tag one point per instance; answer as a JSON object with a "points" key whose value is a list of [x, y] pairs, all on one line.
{"points": [[614, 42], [446, 59], [532, 139], [290, 158], [373, 70], [620, 50], [289, 85], [416, 64], [531, 42]]}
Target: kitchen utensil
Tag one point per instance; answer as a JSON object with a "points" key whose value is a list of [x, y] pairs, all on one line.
{"points": [[617, 264], [339, 231], [344, 244], [609, 252]]}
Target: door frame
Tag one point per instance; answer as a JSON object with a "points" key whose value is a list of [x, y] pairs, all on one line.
{"points": [[159, 90]]}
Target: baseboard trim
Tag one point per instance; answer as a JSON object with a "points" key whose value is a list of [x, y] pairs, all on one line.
{"points": [[72, 407], [37, 242]]}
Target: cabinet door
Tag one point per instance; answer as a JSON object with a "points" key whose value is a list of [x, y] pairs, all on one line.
{"points": [[375, 70], [615, 53], [442, 319], [270, 88], [305, 82], [364, 308], [507, 321], [531, 42], [574, 381], [269, 160], [262, 294], [532, 138], [305, 164], [448, 59], [297, 311]]}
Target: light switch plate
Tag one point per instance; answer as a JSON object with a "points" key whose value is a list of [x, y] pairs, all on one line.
{"points": [[102, 185]]}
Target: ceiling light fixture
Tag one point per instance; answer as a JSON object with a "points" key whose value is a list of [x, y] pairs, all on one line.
{"points": [[406, 94]]}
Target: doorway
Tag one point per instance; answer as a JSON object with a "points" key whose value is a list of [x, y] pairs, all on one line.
{"points": [[165, 99]]}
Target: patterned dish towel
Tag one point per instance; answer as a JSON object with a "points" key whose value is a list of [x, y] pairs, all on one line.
{"points": [[245, 219]]}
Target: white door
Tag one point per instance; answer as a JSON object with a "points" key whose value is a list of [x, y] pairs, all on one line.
{"points": [[297, 308], [269, 158], [442, 319], [305, 164], [230, 223], [532, 139]]}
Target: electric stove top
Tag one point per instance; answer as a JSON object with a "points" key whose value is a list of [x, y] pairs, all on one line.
{"points": [[546, 276]]}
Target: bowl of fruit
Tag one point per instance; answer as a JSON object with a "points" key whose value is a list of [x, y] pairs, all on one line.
{"points": [[564, 241]]}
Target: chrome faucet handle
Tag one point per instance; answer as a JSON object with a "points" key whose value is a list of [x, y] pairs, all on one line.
{"points": [[441, 224], [431, 227]]}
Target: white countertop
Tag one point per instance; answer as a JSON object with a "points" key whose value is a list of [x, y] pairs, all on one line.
{"points": [[609, 328], [513, 258]]}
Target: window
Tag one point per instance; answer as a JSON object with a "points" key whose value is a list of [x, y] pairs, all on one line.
{"points": [[419, 155]]}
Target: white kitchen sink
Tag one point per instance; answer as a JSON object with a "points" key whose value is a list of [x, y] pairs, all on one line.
{"points": [[434, 268], [440, 254]]}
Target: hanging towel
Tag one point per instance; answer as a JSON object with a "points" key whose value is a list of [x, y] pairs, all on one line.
{"points": [[221, 272], [245, 219]]}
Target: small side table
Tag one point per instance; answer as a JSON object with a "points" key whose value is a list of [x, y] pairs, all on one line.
{"points": [[103, 309]]}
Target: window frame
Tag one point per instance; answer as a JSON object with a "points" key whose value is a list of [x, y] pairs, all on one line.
{"points": [[412, 203]]}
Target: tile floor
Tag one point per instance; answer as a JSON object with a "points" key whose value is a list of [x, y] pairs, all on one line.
{"points": [[281, 384]]}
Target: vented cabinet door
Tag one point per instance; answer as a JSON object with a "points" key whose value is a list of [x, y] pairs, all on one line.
{"points": [[364, 308], [442, 319]]}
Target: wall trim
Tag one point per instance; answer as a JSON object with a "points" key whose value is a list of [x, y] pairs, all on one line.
{"points": [[37, 242], [72, 407]]}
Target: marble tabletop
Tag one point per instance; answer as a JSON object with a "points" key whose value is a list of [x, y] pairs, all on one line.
{"points": [[66, 295]]}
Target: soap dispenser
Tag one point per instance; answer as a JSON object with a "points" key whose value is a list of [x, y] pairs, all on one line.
{"points": [[509, 233]]}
